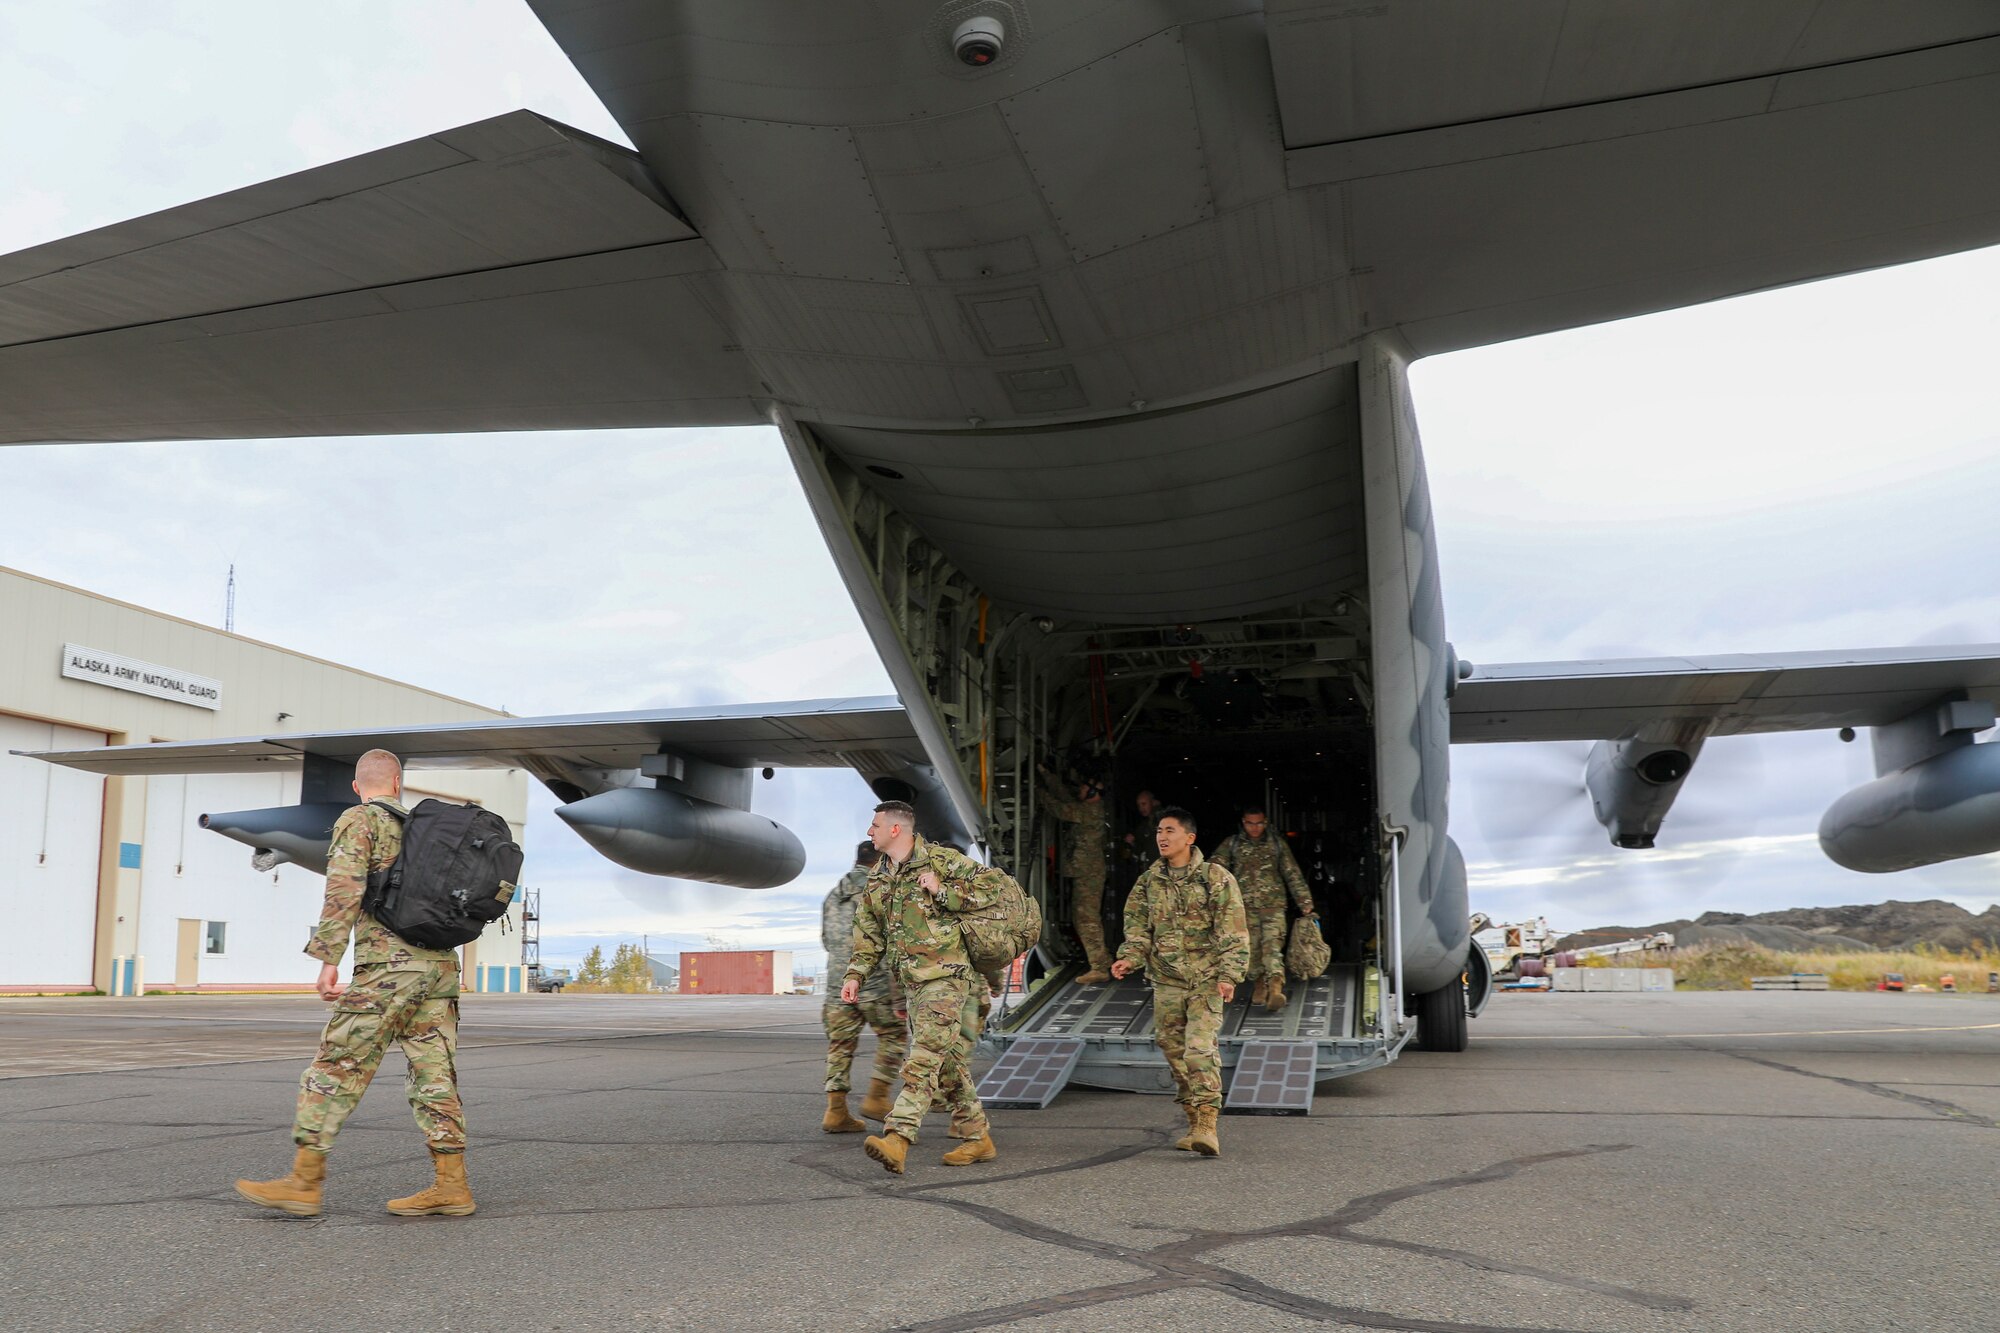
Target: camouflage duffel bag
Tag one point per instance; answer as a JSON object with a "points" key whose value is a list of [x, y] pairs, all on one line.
{"points": [[1307, 952], [995, 936]]}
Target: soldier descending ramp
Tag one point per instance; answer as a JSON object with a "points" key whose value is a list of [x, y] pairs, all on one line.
{"points": [[1184, 927]]}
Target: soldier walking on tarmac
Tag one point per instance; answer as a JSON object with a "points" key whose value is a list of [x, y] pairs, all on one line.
{"points": [[878, 1005], [1266, 871], [907, 916], [1184, 927], [400, 992], [1083, 862]]}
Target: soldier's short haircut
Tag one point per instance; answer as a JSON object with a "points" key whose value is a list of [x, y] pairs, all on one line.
{"points": [[1179, 816], [377, 768], [865, 853], [1254, 808], [902, 808]]}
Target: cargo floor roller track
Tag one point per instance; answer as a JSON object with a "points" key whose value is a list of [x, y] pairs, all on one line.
{"points": [[1322, 1008], [1102, 1036]]}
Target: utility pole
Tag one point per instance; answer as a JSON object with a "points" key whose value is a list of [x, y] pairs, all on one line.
{"points": [[229, 602]]}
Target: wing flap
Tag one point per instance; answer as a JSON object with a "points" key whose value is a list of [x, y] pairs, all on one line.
{"points": [[511, 274], [518, 189], [869, 734], [1737, 694], [1568, 170]]}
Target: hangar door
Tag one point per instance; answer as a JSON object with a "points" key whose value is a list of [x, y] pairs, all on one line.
{"points": [[51, 826]]}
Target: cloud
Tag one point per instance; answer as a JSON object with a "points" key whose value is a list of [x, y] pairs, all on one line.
{"points": [[1797, 469]]}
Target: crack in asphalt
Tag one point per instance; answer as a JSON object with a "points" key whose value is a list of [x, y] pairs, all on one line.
{"points": [[1176, 1265], [1942, 1109]]}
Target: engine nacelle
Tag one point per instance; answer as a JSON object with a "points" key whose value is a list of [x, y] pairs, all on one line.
{"points": [[661, 832], [1633, 784], [1941, 809], [297, 834]]}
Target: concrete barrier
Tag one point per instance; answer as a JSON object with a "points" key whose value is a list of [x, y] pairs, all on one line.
{"points": [[1621, 980]]}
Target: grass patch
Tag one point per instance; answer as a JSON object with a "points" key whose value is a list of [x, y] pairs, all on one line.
{"points": [[1730, 966]]}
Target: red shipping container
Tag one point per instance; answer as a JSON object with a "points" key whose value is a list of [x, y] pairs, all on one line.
{"points": [[736, 972]]}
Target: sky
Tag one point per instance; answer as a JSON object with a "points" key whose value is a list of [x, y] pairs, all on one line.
{"points": [[1804, 468]]}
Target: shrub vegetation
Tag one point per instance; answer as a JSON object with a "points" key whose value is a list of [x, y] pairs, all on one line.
{"points": [[1730, 966]]}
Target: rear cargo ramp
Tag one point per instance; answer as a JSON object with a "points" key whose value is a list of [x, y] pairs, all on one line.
{"points": [[1112, 1026]]}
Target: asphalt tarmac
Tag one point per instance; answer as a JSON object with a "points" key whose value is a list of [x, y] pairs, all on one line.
{"points": [[1601, 1162]]}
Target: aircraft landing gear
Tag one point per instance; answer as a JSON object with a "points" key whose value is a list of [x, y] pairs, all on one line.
{"points": [[1441, 1016]]}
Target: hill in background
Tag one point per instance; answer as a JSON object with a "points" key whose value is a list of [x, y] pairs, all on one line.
{"points": [[1891, 926]]}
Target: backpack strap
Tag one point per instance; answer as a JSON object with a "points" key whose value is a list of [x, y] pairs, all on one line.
{"points": [[377, 889]]}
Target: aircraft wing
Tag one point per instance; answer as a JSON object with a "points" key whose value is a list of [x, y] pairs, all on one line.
{"points": [[512, 274], [871, 735], [1731, 695], [1511, 169]]}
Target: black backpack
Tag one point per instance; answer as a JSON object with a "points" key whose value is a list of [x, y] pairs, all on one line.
{"points": [[456, 872]]}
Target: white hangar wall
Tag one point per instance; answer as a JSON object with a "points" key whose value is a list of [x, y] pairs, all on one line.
{"points": [[93, 869]]}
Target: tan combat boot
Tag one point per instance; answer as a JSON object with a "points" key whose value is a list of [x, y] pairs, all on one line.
{"points": [[1186, 1141], [837, 1120], [297, 1193], [876, 1104], [1261, 992], [980, 1149], [448, 1196], [1202, 1137], [1274, 993], [890, 1150], [1094, 977]]}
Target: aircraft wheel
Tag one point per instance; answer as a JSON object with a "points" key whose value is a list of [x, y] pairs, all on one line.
{"points": [[1441, 1022]]}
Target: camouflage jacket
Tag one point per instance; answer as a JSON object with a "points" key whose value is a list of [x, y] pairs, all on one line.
{"points": [[365, 838], [1186, 927], [836, 934], [1144, 848], [1265, 870], [918, 934], [1084, 833]]}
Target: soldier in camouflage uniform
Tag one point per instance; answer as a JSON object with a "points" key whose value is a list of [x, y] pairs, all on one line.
{"points": [[1083, 862], [906, 915], [1266, 871], [1184, 926], [1139, 842], [879, 1006], [399, 992]]}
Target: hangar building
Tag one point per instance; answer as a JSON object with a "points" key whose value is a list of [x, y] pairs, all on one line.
{"points": [[96, 869]]}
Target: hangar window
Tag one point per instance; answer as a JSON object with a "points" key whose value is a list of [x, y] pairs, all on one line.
{"points": [[218, 935]]}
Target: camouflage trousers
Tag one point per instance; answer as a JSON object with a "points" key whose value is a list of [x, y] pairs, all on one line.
{"points": [[1087, 915], [1188, 1023], [972, 1021], [937, 1069], [414, 1005], [1266, 919], [843, 1024]]}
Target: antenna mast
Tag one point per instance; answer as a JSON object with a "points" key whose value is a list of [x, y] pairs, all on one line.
{"points": [[229, 602]]}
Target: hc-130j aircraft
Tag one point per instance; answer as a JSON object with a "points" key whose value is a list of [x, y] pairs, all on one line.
{"points": [[1086, 327]]}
